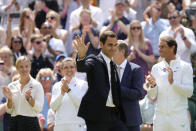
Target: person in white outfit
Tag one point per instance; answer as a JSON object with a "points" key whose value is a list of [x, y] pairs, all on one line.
{"points": [[66, 98], [170, 83], [184, 37]]}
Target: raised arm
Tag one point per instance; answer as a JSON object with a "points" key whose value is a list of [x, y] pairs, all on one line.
{"points": [[81, 47]]}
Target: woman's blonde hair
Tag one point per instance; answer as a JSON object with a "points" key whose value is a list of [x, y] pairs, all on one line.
{"points": [[142, 44], [85, 11], [9, 52], [45, 70], [56, 15], [22, 58], [22, 16]]}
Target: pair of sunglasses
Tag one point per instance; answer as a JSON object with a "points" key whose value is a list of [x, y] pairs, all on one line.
{"points": [[172, 17], [134, 28], [51, 18], [17, 41], [38, 42], [45, 78]]}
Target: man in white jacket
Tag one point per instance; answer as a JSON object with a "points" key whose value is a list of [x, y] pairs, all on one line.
{"points": [[66, 98], [170, 83]]}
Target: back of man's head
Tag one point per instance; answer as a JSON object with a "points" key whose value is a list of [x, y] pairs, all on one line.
{"points": [[122, 45]]}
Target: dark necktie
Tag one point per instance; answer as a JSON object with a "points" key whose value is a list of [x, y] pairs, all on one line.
{"points": [[115, 84]]}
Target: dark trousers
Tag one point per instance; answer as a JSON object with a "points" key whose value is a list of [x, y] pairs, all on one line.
{"points": [[113, 123], [24, 123], [134, 128]]}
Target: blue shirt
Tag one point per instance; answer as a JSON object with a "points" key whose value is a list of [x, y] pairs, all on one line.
{"points": [[116, 29], [152, 32], [91, 49]]}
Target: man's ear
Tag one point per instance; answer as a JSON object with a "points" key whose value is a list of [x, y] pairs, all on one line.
{"points": [[173, 48], [101, 44], [123, 52]]}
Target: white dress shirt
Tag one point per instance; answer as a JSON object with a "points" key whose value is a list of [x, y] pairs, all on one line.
{"points": [[109, 101], [122, 68], [20, 104], [96, 15], [182, 50], [67, 106], [172, 97], [56, 45]]}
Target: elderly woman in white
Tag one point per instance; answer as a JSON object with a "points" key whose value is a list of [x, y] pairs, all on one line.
{"points": [[66, 98], [25, 98]]}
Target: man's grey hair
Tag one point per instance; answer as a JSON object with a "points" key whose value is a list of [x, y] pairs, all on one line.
{"points": [[122, 45]]}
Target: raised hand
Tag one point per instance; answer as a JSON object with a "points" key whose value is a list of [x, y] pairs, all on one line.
{"points": [[151, 80], [113, 14], [64, 86], [170, 75], [80, 46], [7, 93], [13, 2], [28, 94]]}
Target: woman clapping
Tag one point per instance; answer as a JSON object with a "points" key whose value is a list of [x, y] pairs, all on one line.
{"points": [[25, 98]]}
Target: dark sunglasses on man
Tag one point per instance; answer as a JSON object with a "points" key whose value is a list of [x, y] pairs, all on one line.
{"points": [[38, 42], [172, 17]]}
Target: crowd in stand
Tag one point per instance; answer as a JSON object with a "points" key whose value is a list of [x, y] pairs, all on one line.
{"points": [[38, 54]]}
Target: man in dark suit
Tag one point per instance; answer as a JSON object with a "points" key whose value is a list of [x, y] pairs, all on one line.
{"points": [[132, 79], [101, 106]]}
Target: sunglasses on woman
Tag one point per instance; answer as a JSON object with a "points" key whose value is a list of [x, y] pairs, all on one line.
{"points": [[17, 41], [38, 42], [45, 78], [134, 28], [51, 18], [27, 16]]}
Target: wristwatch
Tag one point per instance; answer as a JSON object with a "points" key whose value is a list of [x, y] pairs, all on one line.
{"points": [[30, 98], [154, 86], [184, 38], [68, 90]]}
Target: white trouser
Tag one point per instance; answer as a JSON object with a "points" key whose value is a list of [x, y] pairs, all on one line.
{"points": [[70, 127], [177, 121]]}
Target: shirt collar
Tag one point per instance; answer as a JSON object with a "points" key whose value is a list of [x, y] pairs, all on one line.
{"points": [[29, 82], [107, 59], [172, 62], [123, 64]]}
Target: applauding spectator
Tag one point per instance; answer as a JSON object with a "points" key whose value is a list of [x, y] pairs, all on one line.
{"points": [[25, 98]]}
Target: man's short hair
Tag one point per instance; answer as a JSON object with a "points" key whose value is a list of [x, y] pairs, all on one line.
{"points": [[107, 34], [170, 42], [36, 36], [122, 45]]}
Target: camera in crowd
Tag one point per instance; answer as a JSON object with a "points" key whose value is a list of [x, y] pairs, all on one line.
{"points": [[191, 11]]}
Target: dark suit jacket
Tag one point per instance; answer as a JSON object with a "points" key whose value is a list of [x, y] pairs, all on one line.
{"points": [[131, 92], [93, 104]]}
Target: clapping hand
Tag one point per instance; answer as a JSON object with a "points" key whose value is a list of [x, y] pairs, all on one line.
{"points": [[7, 93], [113, 14], [180, 30], [13, 2], [170, 75], [64, 86], [151, 80], [80, 46], [28, 94]]}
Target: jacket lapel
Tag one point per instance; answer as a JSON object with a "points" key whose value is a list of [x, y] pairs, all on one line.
{"points": [[126, 73], [101, 59]]}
